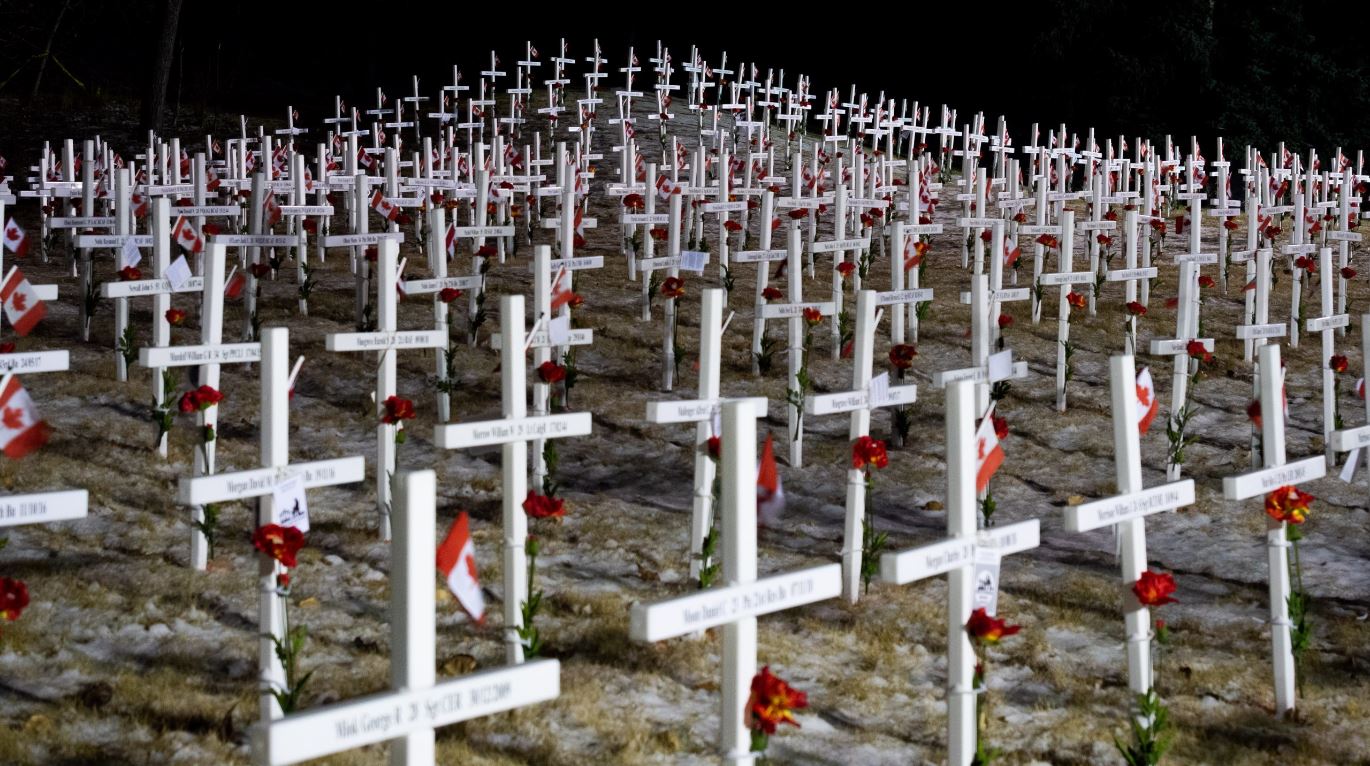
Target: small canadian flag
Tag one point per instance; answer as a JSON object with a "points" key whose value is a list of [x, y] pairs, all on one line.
{"points": [[989, 455], [451, 240], [457, 562], [770, 493], [186, 235], [22, 307], [16, 241], [1147, 405], [561, 293], [233, 286], [383, 207], [21, 430]]}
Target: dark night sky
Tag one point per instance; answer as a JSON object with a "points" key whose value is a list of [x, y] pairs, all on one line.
{"points": [[1260, 71]]}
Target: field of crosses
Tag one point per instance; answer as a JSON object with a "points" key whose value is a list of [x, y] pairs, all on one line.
{"points": [[694, 384]]}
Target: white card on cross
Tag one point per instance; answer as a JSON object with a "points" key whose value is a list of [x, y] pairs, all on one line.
{"points": [[129, 255], [987, 579], [559, 330], [178, 273], [880, 390], [1001, 365], [292, 507], [693, 260]]}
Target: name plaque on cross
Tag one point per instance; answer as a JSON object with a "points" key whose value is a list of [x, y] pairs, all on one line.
{"points": [[488, 432], [43, 507], [386, 716], [719, 606], [1113, 510]]}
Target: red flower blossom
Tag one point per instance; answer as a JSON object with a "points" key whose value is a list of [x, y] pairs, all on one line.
{"points": [[732, 226], [1076, 300], [200, 399], [673, 287], [1348, 273], [260, 270], [397, 409], [714, 446], [772, 702], [901, 356], [988, 630], [1206, 281], [280, 543], [799, 213], [1230, 224], [448, 294], [1049, 241], [551, 372], [1103, 239], [1196, 350], [986, 235], [1288, 504], [542, 506], [659, 234], [772, 293], [867, 451], [175, 317], [130, 274], [1307, 263], [1253, 411], [1153, 589], [812, 316], [1338, 363], [846, 268], [634, 202], [14, 598], [487, 251], [1005, 320]]}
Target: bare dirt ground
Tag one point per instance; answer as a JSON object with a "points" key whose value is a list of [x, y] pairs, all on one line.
{"points": [[128, 657]]}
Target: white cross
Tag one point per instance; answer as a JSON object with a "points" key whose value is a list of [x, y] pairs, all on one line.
{"points": [[384, 342], [1276, 473], [957, 557], [1126, 513], [417, 703], [208, 356], [512, 433], [1327, 325], [1356, 440], [794, 311], [38, 507], [736, 605], [981, 318], [866, 394], [702, 411], [261, 483]]}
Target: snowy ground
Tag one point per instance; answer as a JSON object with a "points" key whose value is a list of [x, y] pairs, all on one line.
{"points": [[126, 656]]}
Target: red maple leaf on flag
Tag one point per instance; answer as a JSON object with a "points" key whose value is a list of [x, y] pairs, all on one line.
{"points": [[981, 447], [20, 302], [14, 418], [471, 566], [1143, 396], [12, 234]]}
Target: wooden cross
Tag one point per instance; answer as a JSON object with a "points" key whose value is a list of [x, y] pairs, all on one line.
{"points": [[736, 605], [957, 558], [208, 356], [1258, 483], [512, 433], [702, 411], [417, 703], [1327, 325], [261, 483], [866, 395], [384, 342], [794, 311], [1126, 513]]}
